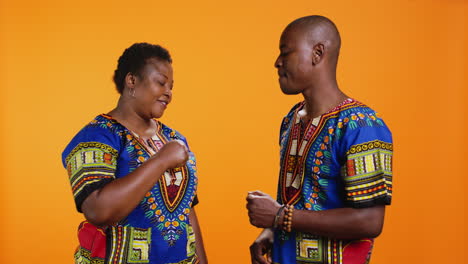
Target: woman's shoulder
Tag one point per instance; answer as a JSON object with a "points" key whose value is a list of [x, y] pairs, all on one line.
{"points": [[103, 131], [105, 122], [102, 126], [169, 132]]}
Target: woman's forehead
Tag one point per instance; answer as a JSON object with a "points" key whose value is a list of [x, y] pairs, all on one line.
{"points": [[159, 66]]}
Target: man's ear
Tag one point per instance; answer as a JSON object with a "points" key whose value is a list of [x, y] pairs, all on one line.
{"points": [[317, 53]]}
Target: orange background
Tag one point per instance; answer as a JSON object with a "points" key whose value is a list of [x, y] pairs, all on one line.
{"points": [[406, 59]]}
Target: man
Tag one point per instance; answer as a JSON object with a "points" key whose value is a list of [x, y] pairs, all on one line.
{"points": [[336, 154]]}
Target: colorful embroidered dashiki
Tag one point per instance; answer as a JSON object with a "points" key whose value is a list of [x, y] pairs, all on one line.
{"points": [[341, 159], [158, 230]]}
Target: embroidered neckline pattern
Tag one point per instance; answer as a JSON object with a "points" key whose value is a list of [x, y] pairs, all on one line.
{"points": [[162, 203], [293, 165]]}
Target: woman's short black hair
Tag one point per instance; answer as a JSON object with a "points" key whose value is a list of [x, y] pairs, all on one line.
{"points": [[134, 59]]}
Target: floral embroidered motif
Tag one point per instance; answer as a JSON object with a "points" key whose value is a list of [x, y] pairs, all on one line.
{"points": [[347, 162], [114, 152]]}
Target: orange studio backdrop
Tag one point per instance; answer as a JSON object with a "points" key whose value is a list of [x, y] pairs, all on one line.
{"points": [[406, 59]]}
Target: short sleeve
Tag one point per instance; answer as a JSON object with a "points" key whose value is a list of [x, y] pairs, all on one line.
{"points": [[195, 201], [91, 161], [367, 169]]}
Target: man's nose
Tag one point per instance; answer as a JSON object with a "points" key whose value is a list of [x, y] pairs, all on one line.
{"points": [[278, 62]]}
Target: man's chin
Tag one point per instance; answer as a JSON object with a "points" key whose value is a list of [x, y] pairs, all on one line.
{"points": [[289, 90]]}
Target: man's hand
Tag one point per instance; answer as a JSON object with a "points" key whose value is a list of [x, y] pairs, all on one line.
{"points": [[262, 246], [262, 209]]}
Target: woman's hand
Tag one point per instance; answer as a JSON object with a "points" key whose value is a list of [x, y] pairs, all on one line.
{"points": [[261, 247], [118, 198], [173, 154]]}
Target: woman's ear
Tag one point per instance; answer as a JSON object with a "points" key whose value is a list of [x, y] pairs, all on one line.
{"points": [[130, 80]]}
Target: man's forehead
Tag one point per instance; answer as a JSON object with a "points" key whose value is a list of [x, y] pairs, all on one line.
{"points": [[290, 36]]}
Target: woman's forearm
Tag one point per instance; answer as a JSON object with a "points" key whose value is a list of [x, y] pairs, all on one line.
{"points": [[118, 198]]}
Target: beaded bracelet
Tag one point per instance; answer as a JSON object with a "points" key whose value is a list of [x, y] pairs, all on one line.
{"points": [[277, 217], [287, 219]]}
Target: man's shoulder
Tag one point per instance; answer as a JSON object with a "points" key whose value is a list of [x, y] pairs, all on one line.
{"points": [[356, 110], [356, 115]]}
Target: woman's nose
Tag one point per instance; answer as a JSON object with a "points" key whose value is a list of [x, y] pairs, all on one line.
{"points": [[168, 91]]}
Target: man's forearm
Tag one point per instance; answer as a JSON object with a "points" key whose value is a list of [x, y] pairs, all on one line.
{"points": [[340, 223]]}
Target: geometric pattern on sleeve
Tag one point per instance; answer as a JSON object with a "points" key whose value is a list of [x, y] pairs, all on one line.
{"points": [[368, 174], [90, 165]]}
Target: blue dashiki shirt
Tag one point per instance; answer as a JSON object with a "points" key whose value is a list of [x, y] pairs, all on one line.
{"points": [[341, 159], [158, 230]]}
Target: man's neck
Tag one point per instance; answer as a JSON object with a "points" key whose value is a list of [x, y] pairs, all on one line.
{"points": [[322, 98]]}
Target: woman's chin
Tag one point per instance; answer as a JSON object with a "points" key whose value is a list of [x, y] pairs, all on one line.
{"points": [[157, 114]]}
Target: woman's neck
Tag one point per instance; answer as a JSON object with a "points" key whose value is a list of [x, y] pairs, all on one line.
{"points": [[127, 115]]}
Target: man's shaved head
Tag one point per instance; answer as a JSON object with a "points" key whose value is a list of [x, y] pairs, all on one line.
{"points": [[309, 49], [319, 29]]}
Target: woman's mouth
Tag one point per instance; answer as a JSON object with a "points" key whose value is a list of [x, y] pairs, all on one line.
{"points": [[164, 103]]}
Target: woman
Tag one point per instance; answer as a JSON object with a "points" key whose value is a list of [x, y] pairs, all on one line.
{"points": [[133, 177]]}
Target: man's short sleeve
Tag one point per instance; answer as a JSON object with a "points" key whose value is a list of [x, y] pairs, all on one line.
{"points": [[91, 161], [367, 172]]}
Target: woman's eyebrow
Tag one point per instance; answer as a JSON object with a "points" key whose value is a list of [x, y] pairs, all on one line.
{"points": [[162, 74]]}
